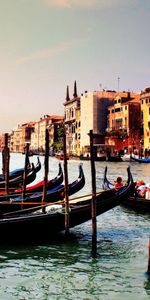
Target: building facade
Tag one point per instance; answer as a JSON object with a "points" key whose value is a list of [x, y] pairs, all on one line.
{"points": [[94, 107], [52, 123], [123, 123], [145, 117]]}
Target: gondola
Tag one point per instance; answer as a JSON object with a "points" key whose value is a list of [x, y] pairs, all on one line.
{"points": [[135, 201], [18, 181], [140, 160], [39, 225], [15, 173], [114, 158], [38, 187], [35, 200]]}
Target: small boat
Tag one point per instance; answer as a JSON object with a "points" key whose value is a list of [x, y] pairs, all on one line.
{"points": [[140, 160], [96, 158], [126, 157], [38, 187], [15, 173], [35, 200], [60, 155], [43, 225], [18, 181], [135, 201], [114, 158], [107, 185], [138, 204]]}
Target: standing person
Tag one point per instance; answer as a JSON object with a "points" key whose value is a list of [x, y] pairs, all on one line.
{"points": [[146, 153]]}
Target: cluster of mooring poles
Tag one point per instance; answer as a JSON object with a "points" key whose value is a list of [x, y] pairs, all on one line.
{"points": [[5, 163], [93, 201]]}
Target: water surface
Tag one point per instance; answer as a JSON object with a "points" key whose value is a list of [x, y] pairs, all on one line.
{"points": [[64, 269]]}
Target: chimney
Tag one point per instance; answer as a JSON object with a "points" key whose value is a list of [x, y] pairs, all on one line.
{"points": [[129, 96]]}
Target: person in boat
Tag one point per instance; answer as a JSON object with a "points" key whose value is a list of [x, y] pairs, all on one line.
{"points": [[141, 188], [118, 183], [147, 191]]}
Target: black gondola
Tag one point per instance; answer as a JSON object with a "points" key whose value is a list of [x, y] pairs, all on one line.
{"points": [[39, 225], [38, 187], [35, 200], [17, 182], [15, 173], [135, 201]]}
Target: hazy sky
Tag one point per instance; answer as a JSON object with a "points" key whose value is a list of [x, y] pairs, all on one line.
{"points": [[46, 45]]}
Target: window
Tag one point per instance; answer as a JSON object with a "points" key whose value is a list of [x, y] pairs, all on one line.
{"points": [[126, 107], [142, 115], [119, 123], [117, 109]]}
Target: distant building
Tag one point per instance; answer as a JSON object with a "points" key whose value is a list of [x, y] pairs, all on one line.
{"points": [[50, 122], [123, 123], [145, 117], [20, 136]]}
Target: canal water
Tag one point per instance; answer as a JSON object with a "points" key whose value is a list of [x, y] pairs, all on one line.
{"points": [[65, 269]]}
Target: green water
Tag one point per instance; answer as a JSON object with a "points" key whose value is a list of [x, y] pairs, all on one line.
{"points": [[66, 269]]}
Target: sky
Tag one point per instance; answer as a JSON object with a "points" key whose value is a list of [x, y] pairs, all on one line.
{"points": [[46, 45]]}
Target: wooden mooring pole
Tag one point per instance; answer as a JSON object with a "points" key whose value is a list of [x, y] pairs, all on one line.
{"points": [[5, 163], [25, 170], [148, 269], [66, 185], [46, 168], [93, 203]]}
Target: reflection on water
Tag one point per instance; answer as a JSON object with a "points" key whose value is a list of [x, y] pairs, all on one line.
{"points": [[65, 269]]}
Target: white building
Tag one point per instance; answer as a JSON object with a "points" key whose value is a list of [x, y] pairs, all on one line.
{"points": [[94, 114]]}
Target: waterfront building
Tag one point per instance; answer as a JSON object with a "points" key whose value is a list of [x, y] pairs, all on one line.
{"points": [[145, 117], [94, 107], [52, 123], [123, 122], [20, 136], [16, 140]]}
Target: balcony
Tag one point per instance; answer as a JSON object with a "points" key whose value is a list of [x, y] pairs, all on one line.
{"points": [[119, 133]]}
